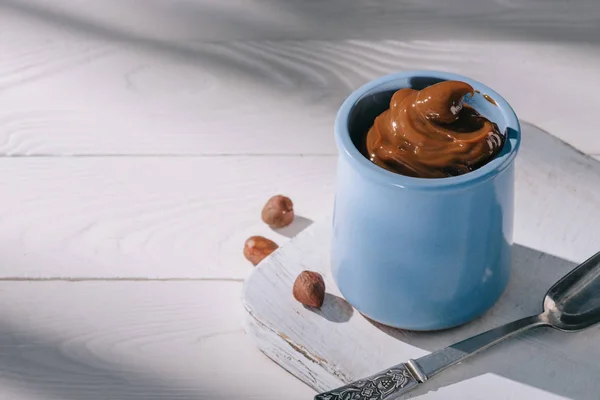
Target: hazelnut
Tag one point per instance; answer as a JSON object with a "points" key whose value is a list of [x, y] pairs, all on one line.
{"points": [[257, 248], [278, 212], [309, 289]]}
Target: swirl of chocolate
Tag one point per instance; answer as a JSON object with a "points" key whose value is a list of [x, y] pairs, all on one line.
{"points": [[431, 134]]}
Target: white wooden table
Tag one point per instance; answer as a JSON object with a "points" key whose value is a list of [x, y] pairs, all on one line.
{"points": [[139, 140]]}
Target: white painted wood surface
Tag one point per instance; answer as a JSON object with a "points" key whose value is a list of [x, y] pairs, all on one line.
{"points": [[130, 340], [139, 139], [164, 77], [335, 345], [148, 217]]}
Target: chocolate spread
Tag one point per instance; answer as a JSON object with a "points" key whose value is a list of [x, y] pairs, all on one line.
{"points": [[431, 134]]}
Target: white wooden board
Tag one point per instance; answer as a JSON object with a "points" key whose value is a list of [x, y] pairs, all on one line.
{"points": [[131, 341], [145, 217], [557, 214], [205, 77], [210, 20]]}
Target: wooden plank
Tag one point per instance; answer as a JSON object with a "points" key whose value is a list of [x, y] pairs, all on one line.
{"points": [[207, 20], [144, 217], [557, 209], [131, 340], [75, 79], [148, 217]]}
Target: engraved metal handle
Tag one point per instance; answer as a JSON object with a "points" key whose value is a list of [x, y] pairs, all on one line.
{"points": [[387, 384], [393, 382]]}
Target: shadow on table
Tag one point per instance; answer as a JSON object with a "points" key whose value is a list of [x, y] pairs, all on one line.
{"points": [[43, 368], [299, 224], [203, 25], [574, 21], [562, 363]]}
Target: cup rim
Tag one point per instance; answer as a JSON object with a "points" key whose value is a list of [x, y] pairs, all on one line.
{"points": [[374, 172]]}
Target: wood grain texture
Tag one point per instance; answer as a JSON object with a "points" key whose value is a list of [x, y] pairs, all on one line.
{"points": [[131, 340], [209, 20], [77, 79], [557, 207], [251, 87], [148, 217]]}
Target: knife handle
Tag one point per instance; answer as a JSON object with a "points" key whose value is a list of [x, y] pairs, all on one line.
{"points": [[393, 382], [388, 384]]}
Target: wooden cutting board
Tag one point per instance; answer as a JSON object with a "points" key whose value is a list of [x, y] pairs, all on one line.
{"points": [[557, 224]]}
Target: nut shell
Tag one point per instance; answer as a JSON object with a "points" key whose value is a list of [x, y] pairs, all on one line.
{"points": [[257, 248], [278, 212], [309, 289]]}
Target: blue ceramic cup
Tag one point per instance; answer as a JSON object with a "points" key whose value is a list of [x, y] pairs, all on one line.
{"points": [[415, 253]]}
